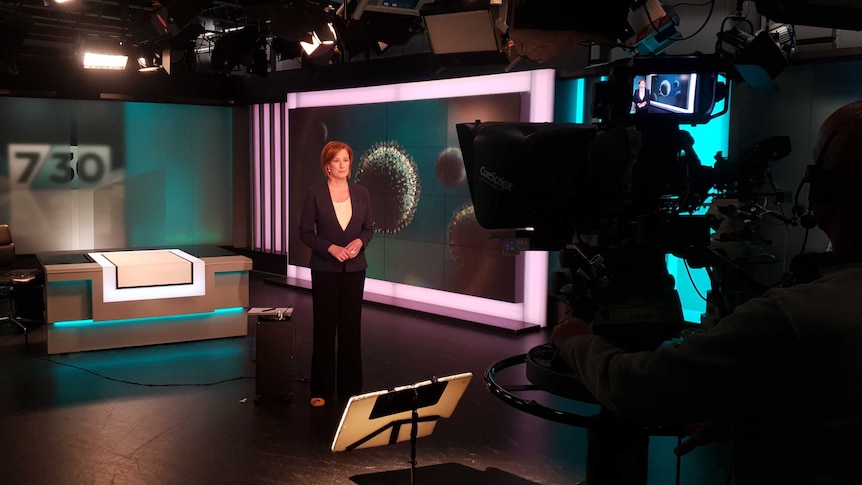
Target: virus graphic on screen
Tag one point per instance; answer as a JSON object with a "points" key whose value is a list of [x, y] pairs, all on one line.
{"points": [[450, 167], [391, 176], [466, 236]]}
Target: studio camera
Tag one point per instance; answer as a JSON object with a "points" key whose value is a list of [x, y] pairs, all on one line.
{"points": [[615, 197]]}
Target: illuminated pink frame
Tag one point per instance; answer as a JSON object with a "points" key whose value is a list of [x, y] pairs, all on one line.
{"points": [[537, 88]]}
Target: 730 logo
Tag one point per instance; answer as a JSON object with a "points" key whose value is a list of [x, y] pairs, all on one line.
{"points": [[52, 167]]}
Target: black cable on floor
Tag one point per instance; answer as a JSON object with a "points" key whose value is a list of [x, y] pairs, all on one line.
{"points": [[296, 377], [123, 381]]}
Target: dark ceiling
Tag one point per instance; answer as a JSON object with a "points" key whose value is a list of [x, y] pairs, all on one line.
{"points": [[42, 29], [246, 51], [203, 55]]}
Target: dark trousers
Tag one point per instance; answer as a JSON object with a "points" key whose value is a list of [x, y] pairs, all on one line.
{"points": [[336, 358]]}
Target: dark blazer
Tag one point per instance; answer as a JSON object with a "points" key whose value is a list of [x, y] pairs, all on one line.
{"points": [[319, 227], [647, 97]]}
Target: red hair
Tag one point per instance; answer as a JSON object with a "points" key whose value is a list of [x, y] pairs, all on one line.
{"points": [[330, 150]]}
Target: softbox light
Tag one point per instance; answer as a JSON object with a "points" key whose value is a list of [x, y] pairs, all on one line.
{"points": [[461, 27], [99, 53], [758, 58]]}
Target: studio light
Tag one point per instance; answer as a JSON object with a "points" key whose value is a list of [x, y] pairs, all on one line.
{"points": [[149, 61], [758, 58], [377, 31], [93, 60], [319, 51], [103, 54], [654, 28], [311, 48], [461, 27], [243, 47]]}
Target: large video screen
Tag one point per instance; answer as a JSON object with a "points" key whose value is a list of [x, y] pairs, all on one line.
{"points": [[429, 253], [426, 233]]}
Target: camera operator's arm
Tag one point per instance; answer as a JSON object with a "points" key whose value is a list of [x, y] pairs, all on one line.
{"points": [[569, 327], [746, 366]]}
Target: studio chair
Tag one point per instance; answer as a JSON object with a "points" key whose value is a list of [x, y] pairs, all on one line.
{"points": [[7, 278], [7, 247]]}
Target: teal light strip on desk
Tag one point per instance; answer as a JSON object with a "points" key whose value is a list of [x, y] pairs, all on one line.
{"points": [[240, 271], [229, 310], [90, 322]]}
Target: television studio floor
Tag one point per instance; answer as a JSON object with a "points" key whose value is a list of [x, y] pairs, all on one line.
{"points": [[185, 413]]}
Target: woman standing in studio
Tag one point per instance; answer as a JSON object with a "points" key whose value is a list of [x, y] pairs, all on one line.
{"points": [[641, 97], [336, 224]]}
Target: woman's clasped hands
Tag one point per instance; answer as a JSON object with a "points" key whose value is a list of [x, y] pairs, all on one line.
{"points": [[343, 253]]}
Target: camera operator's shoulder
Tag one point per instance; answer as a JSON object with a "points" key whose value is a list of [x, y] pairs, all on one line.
{"points": [[838, 279], [844, 272], [834, 297]]}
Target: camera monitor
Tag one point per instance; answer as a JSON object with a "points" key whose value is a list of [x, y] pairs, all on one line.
{"points": [[674, 93], [662, 89]]}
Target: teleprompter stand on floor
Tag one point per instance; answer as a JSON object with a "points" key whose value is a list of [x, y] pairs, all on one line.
{"points": [[381, 418]]}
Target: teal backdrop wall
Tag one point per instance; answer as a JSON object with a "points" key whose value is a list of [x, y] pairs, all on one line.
{"points": [[179, 160], [108, 174]]}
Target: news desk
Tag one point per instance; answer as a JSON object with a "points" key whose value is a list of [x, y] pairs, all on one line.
{"points": [[103, 299]]}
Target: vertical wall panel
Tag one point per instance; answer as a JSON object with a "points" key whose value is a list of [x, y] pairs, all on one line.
{"points": [[278, 170], [267, 178], [257, 181], [284, 177], [269, 161]]}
